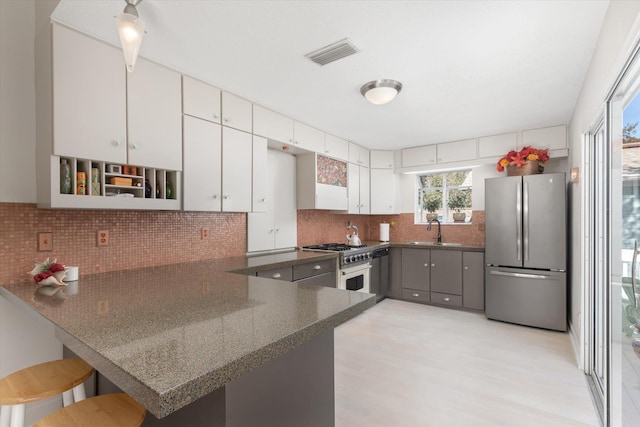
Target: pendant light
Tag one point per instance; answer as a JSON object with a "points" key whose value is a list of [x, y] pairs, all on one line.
{"points": [[380, 92], [131, 30]]}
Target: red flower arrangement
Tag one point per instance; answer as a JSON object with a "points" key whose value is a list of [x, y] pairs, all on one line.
{"points": [[520, 158], [49, 273]]}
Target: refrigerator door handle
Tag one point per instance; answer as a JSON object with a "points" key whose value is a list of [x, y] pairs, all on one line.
{"points": [[519, 220], [525, 225], [524, 275]]}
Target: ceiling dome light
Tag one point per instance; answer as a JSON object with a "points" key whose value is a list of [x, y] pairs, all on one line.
{"points": [[380, 92], [131, 30]]}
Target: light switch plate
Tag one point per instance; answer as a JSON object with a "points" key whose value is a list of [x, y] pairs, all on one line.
{"points": [[45, 241]]}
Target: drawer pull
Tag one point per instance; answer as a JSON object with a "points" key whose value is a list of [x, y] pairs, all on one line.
{"points": [[317, 267], [416, 295], [276, 275], [466, 267], [447, 299]]}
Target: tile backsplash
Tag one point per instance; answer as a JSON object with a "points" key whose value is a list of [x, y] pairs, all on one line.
{"points": [[148, 238], [315, 226], [136, 238]]}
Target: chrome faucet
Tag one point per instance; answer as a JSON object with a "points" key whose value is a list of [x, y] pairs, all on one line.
{"points": [[429, 229]]}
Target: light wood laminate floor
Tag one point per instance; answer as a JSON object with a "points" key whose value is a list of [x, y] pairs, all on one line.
{"points": [[407, 364]]}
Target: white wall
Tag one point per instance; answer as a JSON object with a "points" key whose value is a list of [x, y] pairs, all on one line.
{"points": [[23, 339], [17, 101], [619, 32]]}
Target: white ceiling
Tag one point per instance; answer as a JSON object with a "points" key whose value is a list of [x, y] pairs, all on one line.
{"points": [[469, 68]]}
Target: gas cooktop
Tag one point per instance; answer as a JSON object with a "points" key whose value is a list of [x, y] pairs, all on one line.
{"points": [[348, 254], [336, 247]]}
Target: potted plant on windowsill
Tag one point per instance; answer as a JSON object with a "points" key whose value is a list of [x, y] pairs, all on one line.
{"points": [[458, 201], [432, 202]]}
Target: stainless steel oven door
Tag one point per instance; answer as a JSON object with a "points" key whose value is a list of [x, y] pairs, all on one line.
{"points": [[356, 278]]}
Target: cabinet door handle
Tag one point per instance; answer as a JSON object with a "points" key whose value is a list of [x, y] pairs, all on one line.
{"points": [[133, 146], [276, 276], [227, 197], [215, 196], [227, 119], [216, 116], [466, 267], [115, 143], [317, 267], [416, 295], [277, 230], [271, 231], [264, 199], [446, 299], [426, 264], [433, 265]]}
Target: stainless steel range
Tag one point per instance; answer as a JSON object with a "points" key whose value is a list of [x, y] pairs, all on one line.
{"points": [[354, 264]]}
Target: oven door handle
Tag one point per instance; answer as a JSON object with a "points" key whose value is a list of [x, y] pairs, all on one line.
{"points": [[344, 273]]}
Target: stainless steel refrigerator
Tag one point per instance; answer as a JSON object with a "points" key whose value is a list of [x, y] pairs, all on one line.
{"points": [[525, 278]]}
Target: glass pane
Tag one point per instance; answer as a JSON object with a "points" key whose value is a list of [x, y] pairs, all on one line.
{"points": [[432, 205], [459, 204], [629, 187]]}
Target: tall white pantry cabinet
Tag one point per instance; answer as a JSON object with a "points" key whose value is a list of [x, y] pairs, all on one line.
{"points": [[276, 227]]}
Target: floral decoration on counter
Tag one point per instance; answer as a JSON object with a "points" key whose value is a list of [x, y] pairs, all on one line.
{"points": [[49, 273], [520, 158]]}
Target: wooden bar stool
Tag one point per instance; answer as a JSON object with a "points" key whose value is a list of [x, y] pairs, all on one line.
{"points": [[38, 382], [109, 410]]}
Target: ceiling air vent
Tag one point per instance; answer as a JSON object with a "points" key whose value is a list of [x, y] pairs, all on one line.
{"points": [[333, 52]]}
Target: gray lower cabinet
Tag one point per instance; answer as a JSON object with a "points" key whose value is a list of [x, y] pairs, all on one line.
{"points": [[446, 277], [473, 280], [395, 273], [416, 266], [321, 273], [327, 279], [282, 273]]}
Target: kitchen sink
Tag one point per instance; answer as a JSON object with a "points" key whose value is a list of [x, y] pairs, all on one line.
{"points": [[433, 244]]}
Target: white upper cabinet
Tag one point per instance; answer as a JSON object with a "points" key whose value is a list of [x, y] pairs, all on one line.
{"points": [[200, 99], [89, 98], [308, 138], [383, 197], [336, 147], [553, 138], [456, 151], [358, 189], [259, 178], [358, 155], [236, 170], [497, 145], [381, 159], [237, 112], [321, 182], [272, 125], [419, 156], [154, 116], [202, 176]]}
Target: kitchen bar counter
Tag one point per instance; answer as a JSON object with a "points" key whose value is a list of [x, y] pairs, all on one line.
{"points": [[170, 335]]}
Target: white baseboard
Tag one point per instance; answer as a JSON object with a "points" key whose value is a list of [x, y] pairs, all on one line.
{"points": [[577, 349]]}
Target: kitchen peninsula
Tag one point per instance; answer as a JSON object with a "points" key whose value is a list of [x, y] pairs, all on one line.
{"points": [[199, 345]]}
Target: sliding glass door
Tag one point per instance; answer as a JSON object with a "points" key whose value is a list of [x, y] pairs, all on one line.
{"points": [[625, 233], [613, 216]]}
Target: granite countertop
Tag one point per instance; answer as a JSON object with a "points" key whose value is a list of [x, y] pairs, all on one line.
{"points": [[169, 335]]}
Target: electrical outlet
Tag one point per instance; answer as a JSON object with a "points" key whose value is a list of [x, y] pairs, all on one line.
{"points": [[45, 241], [103, 237], [205, 233]]}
